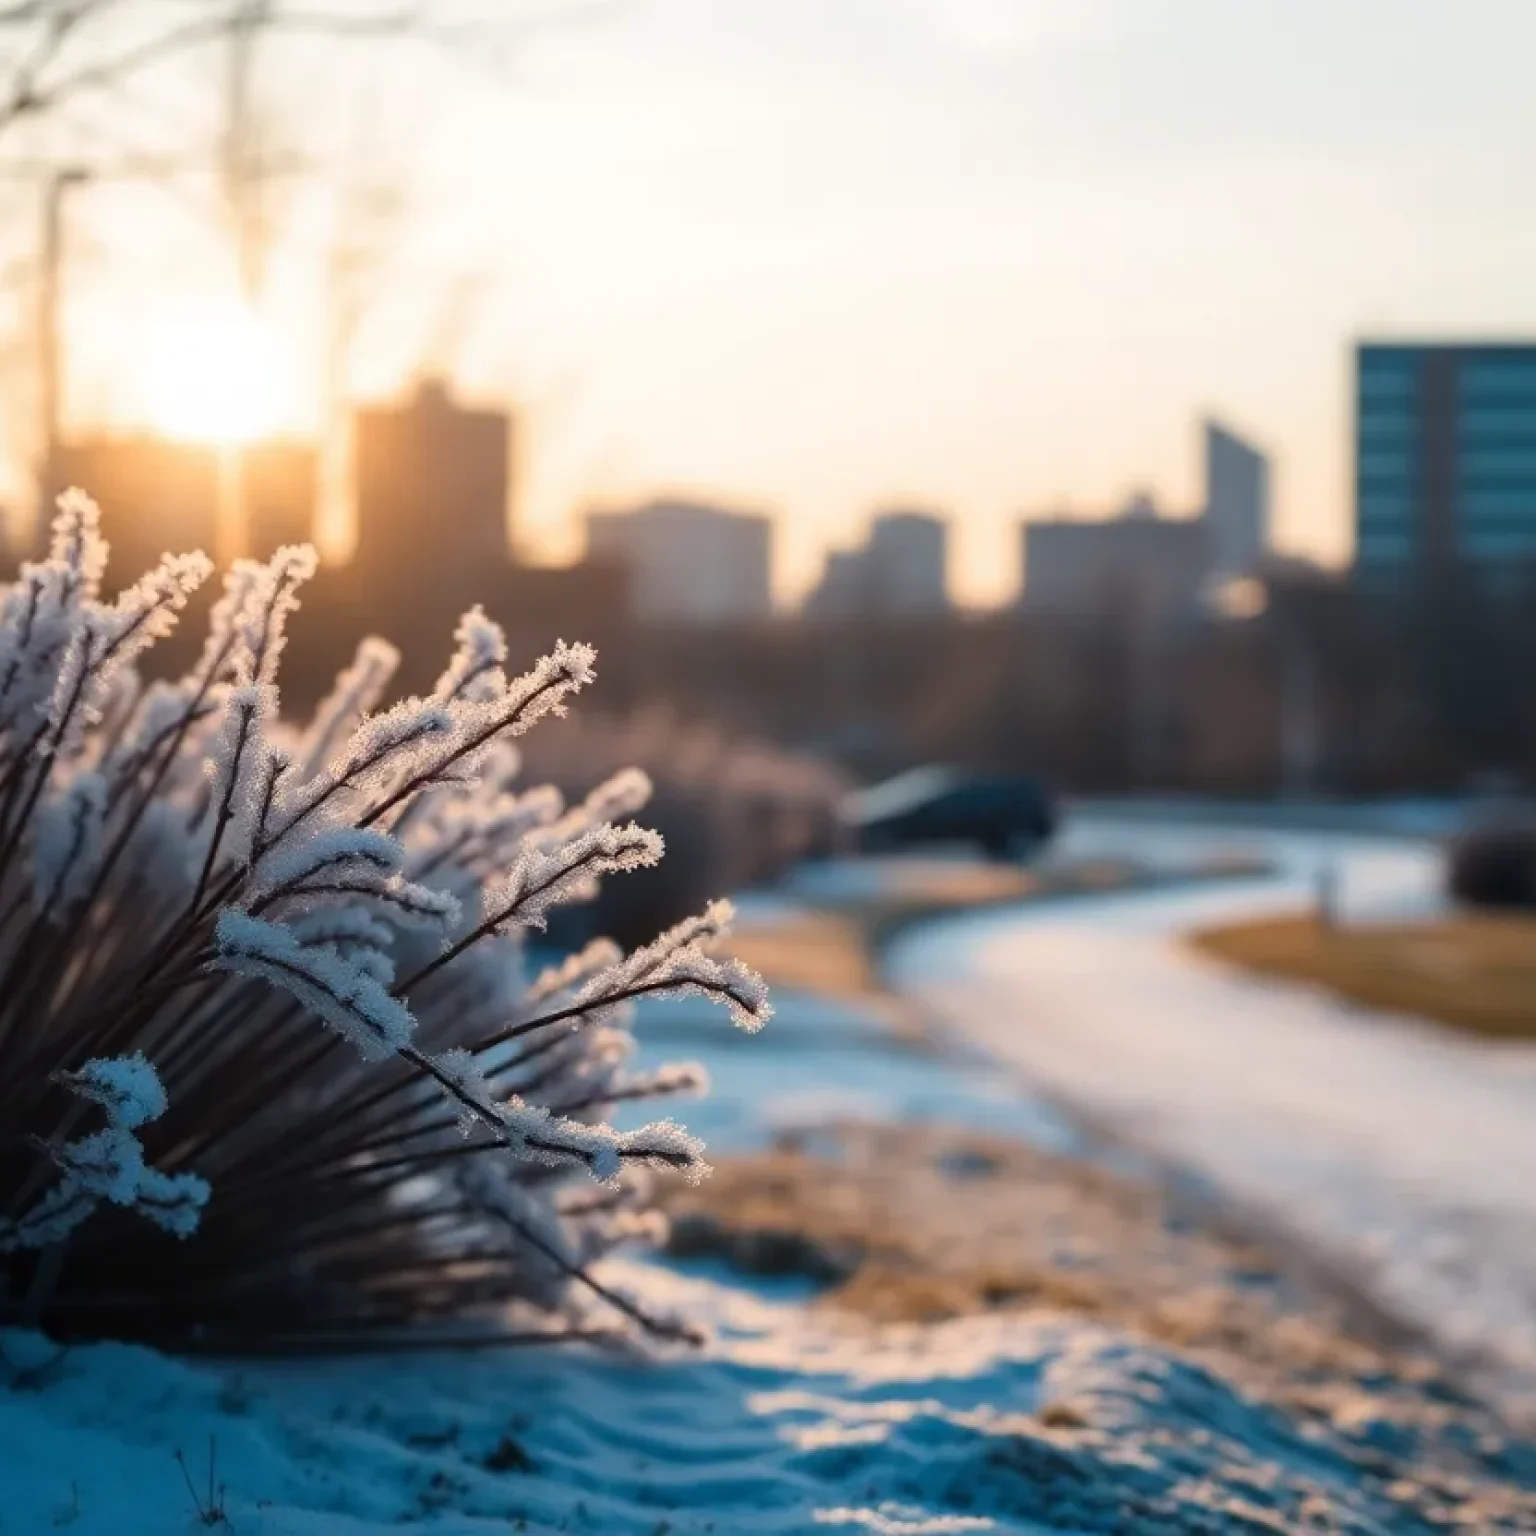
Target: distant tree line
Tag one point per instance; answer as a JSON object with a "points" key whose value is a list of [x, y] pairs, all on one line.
{"points": [[1328, 691]]}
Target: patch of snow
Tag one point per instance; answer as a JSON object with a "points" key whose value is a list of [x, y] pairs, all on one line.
{"points": [[821, 1061]]}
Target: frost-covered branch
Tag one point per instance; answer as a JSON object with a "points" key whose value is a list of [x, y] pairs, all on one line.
{"points": [[256, 978]]}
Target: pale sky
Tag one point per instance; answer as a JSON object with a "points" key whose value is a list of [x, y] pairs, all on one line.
{"points": [[993, 256]]}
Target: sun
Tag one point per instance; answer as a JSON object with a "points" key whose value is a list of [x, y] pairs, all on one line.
{"points": [[215, 374]]}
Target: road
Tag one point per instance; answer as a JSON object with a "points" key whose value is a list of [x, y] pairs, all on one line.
{"points": [[1404, 1153]]}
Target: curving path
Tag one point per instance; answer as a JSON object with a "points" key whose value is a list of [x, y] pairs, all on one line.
{"points": [[1405, 1152]]}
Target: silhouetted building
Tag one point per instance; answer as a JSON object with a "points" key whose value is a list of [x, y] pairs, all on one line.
{"points": [[1236, 503], [432, 482], [539, 603], [688, 563], [281, 492], [900, 571], [843, 591], [1136, 562], [156, 497], [1445, 461], [908, 559]]}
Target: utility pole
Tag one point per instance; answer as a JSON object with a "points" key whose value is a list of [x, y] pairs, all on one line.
{"points": [[58, 181], [243, 167], [242, 192], [50, 348]]}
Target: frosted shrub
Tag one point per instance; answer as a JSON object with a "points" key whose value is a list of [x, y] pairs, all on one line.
{"points": [[735, 811], [273, 1071]]}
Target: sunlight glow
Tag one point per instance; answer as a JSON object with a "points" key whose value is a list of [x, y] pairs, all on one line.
{"points": [[215, 375]]}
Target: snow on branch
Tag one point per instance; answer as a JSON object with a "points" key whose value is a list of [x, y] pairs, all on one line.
{"points": [[357, 691], [341, 995], [109, 1164]]}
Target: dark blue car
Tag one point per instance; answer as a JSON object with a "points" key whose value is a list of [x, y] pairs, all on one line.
{"points": [[1005, 816]]}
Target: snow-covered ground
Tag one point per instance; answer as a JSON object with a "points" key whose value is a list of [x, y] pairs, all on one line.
{"points": [[781, 1426], [786, 1423], [1403, 1151]]}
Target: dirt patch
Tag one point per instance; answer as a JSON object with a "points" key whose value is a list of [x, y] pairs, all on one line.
{"points": [[916, 1224]]}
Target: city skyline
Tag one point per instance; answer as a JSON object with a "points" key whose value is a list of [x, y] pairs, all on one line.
{"points": [[989, 256], [837, 254]]}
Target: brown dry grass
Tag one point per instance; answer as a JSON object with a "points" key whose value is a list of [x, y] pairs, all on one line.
{"points": [[1472, 972], [821, 952]]}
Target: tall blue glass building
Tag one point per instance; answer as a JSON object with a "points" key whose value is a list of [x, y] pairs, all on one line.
{"points": [[1445, 461]]}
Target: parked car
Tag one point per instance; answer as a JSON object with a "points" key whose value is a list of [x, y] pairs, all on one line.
{"points": [[1005, 816], [1493, 864]]}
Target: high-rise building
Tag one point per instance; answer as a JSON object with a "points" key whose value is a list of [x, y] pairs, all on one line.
{"points": [[899, 572], [843, 591], [1236, 503], [432, 481], [688, 563], [1136, 562], [908, 559], [1445, 461]]}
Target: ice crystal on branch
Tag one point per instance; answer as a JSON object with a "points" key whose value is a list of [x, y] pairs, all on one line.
{"points": [[127, 1088], [262, 985]]}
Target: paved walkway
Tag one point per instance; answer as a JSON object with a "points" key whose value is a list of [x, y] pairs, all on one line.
{"points": [[1405, 1151]]}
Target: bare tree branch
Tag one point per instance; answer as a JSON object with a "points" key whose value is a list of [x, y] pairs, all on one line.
{"points": [[30, 94], [42, 32]]}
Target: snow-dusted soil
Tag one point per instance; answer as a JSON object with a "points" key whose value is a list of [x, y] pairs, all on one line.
{"points": [[788, 1424], [1403, 1151], [778, 1427]]}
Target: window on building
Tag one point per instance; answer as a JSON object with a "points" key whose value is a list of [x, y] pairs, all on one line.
{"points": [[1387, 426], [1499, 379], [1494, 462], [1498, 542], [1384, 509], [1387, 376], [1392, 464], [1500, 502], [1383, 546], [1485, 423]]}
